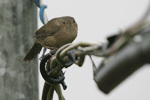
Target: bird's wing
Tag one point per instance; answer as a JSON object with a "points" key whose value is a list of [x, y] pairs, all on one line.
{"points": [[46, 30]]}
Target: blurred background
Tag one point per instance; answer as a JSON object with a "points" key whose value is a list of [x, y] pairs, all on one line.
{"points": [[98, 19]]}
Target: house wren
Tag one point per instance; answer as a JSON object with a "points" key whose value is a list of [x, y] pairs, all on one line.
{"points": [[56, 33]]}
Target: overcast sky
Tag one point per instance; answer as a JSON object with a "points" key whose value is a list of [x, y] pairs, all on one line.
{"points": [[96, 20]]}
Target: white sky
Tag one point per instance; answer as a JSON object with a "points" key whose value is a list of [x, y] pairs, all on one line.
{"points": [[96, 20]]}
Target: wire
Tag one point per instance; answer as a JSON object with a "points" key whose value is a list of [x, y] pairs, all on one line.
{"points": [[37, 3], [42, 15]]}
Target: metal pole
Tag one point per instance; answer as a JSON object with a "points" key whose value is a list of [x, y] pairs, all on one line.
{"points": [[18, 23]]}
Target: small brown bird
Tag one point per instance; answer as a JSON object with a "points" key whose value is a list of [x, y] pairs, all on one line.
{"points": [[56, 33]]}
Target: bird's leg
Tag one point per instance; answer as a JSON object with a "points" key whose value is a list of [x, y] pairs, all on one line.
{"points": [[44, 50]]}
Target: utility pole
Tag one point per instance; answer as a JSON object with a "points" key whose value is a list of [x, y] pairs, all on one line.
{"points": [[18, 23]]}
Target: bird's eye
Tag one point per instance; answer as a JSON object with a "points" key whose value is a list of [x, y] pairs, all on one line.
{"points": [[64, 23], [74, 21]]}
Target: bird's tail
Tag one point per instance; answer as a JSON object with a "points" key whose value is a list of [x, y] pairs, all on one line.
{"points": [[33, 52]]}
